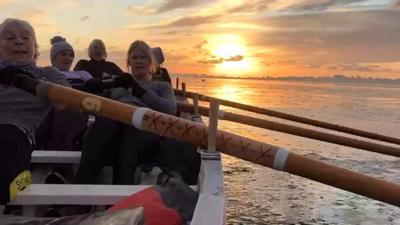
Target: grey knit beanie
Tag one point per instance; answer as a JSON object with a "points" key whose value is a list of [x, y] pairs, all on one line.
{"points": [[59, 44]]}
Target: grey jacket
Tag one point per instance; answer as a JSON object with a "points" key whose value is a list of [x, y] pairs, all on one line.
{"points": [[159, 96], [24, 110]]}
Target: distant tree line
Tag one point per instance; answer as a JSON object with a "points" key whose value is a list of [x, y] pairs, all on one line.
{"points": [[334, 78]]}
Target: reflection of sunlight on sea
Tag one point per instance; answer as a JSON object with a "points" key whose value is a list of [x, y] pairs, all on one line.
{"points": [[258, 195]]}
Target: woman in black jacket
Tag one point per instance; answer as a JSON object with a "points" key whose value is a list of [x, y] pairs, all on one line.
{"points": [[97, 66]]}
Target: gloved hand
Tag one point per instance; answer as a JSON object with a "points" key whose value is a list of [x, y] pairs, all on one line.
{"points": [[9, 75], [137, 90], [124, 81], [14, 76], [127, 81], [93, 85]]}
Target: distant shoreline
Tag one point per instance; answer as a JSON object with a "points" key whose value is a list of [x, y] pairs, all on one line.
{"points": [[331, 79]]}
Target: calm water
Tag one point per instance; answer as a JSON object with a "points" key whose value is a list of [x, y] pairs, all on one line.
{"points": [[258, 195]]}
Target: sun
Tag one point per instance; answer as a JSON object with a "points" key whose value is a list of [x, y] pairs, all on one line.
{"points": [[228, 51], [231, 54], [233, 58]]}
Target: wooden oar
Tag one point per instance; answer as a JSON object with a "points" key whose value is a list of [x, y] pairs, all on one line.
{"points": [[299, 131], [295, 118], [228, 143]]}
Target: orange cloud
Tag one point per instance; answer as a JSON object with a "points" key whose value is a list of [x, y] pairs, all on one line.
{"points": [[251, 6], [318, 5], [141, 9], [169, 5], [234, 58], [84, 18], [4, 3]]}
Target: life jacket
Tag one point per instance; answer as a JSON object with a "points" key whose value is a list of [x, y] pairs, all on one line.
{"points": [[173, 203]]}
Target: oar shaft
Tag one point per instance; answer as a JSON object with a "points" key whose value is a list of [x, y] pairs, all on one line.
{"points": [[298, 119], [235, 145], [343, 179], [299, 131]]}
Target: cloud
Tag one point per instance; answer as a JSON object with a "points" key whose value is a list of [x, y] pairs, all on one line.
{"points": [[333, 37], [332, 67], [171, 56], [193, 21], [235, 58], [201, 50], [183, 22], [170, 5], [361, 68], [84, 18], [141, 9], [201, 44], [215, 60], [286, 62], [4, 3], [318, 5], [39, 20], [251, 6], [211, 61]]}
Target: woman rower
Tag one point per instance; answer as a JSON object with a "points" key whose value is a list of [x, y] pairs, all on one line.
{"points": [[126, 143], [62, 55], [22, 114], [97, 66]]}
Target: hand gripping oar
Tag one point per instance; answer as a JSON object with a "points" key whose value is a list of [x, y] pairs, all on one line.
{"points": [[228, 143], [299, 131], [295, 118]]}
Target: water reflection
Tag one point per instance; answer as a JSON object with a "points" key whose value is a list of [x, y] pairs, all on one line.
{"points": [[258, 195]]}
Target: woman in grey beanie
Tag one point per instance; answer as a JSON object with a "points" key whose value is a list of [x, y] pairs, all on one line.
{"points": [[62, 55]]}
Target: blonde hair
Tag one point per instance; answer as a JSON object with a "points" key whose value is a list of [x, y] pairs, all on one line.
{"points": [[146, 49], [94, 43], [25, 24]]}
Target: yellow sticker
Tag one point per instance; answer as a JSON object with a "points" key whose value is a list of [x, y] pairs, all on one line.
{"points": [[19, 183]]}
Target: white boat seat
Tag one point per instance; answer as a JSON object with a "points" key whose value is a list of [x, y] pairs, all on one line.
{"points": [[75, 194], [67, 157], [66, 194]]}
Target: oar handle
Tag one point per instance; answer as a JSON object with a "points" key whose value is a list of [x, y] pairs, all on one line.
{"points": [[235, 145]]}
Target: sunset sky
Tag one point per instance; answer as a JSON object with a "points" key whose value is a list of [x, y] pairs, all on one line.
{"points": [[230, 37]]}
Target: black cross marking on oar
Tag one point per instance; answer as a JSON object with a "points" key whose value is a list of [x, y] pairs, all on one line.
{"points": [[154, 120], [171, 123], [263, 153], [187, 129], [243, 147], [225, 141]]}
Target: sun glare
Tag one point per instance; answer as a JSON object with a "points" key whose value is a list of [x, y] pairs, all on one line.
{"points": [[233, 55], [228, 51], [235, 68]]}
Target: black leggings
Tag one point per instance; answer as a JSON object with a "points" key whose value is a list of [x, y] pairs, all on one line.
{"points": [[125, 147], [111, 142], [15, 157]]}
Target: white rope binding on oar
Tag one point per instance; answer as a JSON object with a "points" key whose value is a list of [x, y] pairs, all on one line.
{"points": [[137, 117], [280, 159]]}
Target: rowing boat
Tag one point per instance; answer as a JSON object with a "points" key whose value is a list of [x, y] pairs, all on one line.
{"points": [[210, 207], [211, 190]]}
